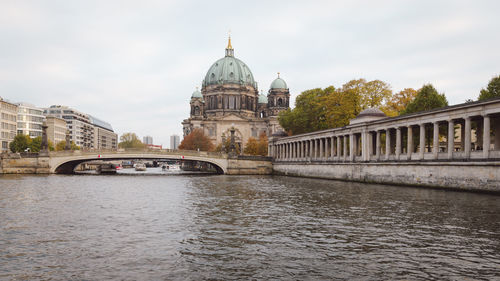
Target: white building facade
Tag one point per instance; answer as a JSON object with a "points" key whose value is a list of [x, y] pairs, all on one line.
{"points": [[8, 126], [29, 120]]}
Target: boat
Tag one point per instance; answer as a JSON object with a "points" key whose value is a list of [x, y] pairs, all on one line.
{"points": [[140, 167]]}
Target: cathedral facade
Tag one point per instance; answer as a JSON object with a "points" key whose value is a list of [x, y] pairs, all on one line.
{"points": [[229, 98]]}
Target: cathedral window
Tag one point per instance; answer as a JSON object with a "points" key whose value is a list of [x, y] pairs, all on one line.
{"points": [[196, 110], [280, 102]]}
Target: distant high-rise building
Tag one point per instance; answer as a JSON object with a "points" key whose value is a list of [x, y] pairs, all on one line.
{"points": [[8, 120], [29, 120], [174, 141], [147, 140]]}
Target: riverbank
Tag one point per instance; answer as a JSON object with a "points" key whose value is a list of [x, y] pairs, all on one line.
{"points": [[465, 176]]}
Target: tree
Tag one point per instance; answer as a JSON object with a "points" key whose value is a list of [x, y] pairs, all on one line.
{"points": [[399, 102], [130, 140], [251, 148], [257, 147], [492, 90], [60, 146], [320, 109], [367, 94], [196, 140], [262, 145], [427, 98], [51, 145], [20, 143], [36, 144]]}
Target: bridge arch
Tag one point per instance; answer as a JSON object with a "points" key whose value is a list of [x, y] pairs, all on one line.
{"points": [[65, 164]]}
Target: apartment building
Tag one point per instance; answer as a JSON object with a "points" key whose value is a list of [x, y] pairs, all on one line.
{"points": [[56, 129], [29, 120], [8, 126]]}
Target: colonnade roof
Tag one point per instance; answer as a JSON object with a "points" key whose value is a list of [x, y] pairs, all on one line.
{"points": [[453, 110]]}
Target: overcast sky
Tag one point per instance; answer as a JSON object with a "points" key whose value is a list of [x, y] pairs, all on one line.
{"points": [[135, 64]]}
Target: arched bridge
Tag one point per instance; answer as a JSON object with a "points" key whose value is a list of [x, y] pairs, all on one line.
{"points": [[65, 162]]}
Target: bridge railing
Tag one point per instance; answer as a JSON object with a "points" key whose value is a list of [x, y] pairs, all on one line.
{"points": [[141, 151]]}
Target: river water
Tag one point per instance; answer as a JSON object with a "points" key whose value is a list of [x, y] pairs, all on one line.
{"points": [[198, 227]]}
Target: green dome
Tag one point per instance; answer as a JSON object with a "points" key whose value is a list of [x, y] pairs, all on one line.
{"points": [[262, 99], [229, 70], [278, 83], [196, 94]]}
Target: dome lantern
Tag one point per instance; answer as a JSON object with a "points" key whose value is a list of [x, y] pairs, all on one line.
{"points": [[229, 48]]}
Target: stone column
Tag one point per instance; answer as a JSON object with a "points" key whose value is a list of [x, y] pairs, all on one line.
{"points": [[289, 147], [294, 150], [351, 147], [467, 137], [332, 148], [339, 147], [377, 146], [345, 147], [364, 143], [308, 149], [370, 145], [486, 136], [462, 136], [321, 148], [451, 138], [354, 145], [387, 143], [325, 148], [435, 140], [398, 142], [409, 136], [313, 149], [496, 132], [422, 141]]}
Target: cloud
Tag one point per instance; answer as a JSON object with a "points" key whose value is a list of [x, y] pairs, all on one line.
{"points": [[136, 65]]}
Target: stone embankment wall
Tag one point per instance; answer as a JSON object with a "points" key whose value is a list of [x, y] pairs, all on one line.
{"points": [[472, 176], [250, 165], [27, 164]]}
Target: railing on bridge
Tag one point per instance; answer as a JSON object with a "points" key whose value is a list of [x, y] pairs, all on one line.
{"points": [[141, 152]]}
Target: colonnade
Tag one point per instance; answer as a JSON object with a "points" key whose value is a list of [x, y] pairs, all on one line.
{"points": [[401, 140]]}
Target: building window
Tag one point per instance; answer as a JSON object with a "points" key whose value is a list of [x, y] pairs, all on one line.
{"points": [[254, 132]]}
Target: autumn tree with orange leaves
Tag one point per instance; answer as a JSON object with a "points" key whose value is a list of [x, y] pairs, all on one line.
{"points": [[196, 140], [257, 147]]}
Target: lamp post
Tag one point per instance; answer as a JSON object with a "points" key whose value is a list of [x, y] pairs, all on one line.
{"points": [[232, 146]]}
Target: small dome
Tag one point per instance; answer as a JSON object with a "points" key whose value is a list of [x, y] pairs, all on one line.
{"points": [[196, 94], [262, 99], [372, 111], [280, 133], [279, 83], [369, 114]]}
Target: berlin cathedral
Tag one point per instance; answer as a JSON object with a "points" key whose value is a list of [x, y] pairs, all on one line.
{"points": [[229, 98]]}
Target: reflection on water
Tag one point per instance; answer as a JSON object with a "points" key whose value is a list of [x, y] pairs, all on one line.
{"points": [[241, 227]]}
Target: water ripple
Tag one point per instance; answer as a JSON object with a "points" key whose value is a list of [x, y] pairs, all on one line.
{"points": [[241, 227]]}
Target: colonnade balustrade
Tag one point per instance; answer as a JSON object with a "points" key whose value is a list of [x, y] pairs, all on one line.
{"points": [[462, 132]]}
